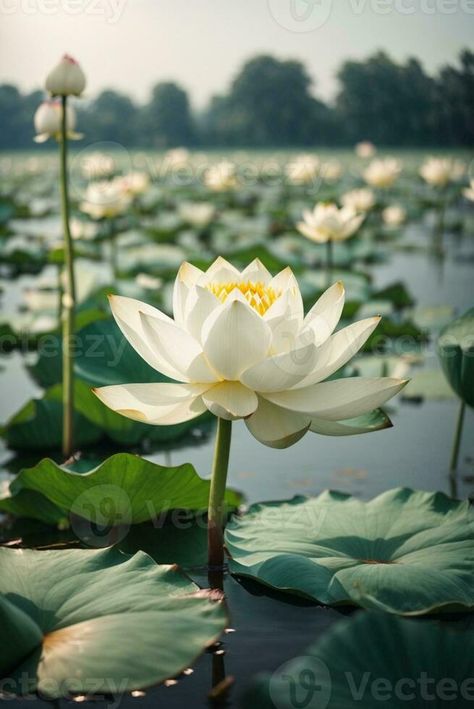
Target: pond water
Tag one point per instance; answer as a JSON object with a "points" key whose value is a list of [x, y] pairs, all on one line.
{"points": [[269, 628]]}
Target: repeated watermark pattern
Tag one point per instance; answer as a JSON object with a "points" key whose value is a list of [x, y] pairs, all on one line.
{"points": [[110, 10]]}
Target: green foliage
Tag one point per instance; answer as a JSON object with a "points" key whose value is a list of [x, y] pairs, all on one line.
{"points": [[404, 552], [456, 354], [99, 621]]}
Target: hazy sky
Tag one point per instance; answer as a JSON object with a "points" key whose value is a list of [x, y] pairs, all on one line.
{"points": [[131, 44]]}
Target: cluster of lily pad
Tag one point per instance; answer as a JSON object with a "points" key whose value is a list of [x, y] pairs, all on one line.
{"points": [[72, 618]]}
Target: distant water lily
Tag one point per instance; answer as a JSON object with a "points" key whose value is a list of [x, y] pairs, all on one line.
{"points": [[98, 166], [382, 173], [360, 200], [331, 171], [438, 172], [198, 214], [394, 215], [105, 199], [221, 177], [133, 183], [365, 149], [328, 222], [240, 347], [47, 122], [303, 169]]}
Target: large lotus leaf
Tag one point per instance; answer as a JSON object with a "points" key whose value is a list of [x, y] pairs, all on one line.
{"points": [[38, 426], [405, 551], [374, 660], [124, 489], [109, 623], [456, 354]]}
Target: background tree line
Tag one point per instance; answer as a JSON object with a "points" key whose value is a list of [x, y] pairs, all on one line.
{"points": [[270, 103]]}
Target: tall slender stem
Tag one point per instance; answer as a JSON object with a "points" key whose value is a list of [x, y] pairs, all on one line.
{"points": [[69, 295], [329, 261], [457, 438], [215, 518]]}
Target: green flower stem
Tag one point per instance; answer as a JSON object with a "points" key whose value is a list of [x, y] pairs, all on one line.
{"points": [[69, 295], [457, 438], [329, 261], [216, 508]]}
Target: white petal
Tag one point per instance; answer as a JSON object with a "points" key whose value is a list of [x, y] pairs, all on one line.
{"points": [[349, 427], [157, 404], [221, 271], [230, 400], [339, 399], [186, 277], [126, 312], [199, 305], [325, 313], [175, 345], [339, 349], [281, 371], [234, 338], [276, 427], [256, 272]]}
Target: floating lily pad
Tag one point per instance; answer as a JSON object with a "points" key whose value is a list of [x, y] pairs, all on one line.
{"points": [[98, 621], [374, 660], [124, 489], [456, 354], [430, 385], [405, 551]]}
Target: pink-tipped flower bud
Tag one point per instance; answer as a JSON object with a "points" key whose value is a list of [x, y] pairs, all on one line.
{"points": [[66, 79]]}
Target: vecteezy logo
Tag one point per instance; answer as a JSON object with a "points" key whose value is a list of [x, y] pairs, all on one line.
{"points": [[300, 15], [101, 516], [303, 683]]}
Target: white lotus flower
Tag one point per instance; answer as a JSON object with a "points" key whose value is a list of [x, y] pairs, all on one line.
{"points": [[134, 183], [105, 199], [365, 149], [327, 222], [394, 215], [66, 79], [360, 200], [303, 169], [47, 122], [331, 171], [198, 214], [240, 346], [469, 192], [221, 176], [438, 172], [97, 166], [176, 159], [383, 172]]}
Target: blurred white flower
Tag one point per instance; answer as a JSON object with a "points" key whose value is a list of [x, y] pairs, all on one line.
{"points": [[365, 149], [360, 200], [394, 215], [303, 169], [81, 229], [221, 176], [47, 122], [134, 183], [438, 172], [327, 222], [382, 172], [66, 79], [331, 171], [469, 192], [176, 159], [97, 166], [105, 199], [198, 214], [240, 347], [147, 282]]}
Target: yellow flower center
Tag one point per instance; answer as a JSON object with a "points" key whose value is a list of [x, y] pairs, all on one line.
{"points": [[258, 295]]}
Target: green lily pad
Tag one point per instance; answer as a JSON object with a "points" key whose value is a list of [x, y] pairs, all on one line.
{"points": [[100, 621], [405, 551], [456, 354], [397, 294], [125, 489], [374, 660]]}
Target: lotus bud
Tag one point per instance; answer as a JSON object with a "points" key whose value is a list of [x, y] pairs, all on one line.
{"points": [[47, 122], [66, 79]]}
